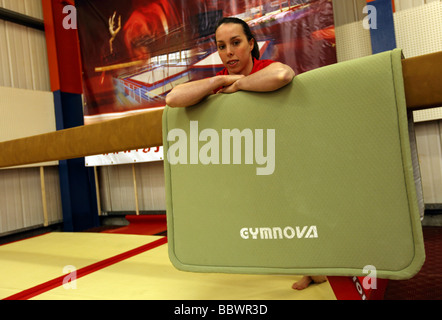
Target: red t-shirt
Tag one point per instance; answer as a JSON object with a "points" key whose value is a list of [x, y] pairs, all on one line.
{"points": [[257, 65]]}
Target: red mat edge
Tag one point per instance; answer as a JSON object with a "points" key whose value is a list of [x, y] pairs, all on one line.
{"points": [[54, 283], [350, 288], [157, 224]]}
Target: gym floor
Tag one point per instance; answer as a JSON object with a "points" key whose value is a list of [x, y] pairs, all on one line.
{"points": [[131, 263]]}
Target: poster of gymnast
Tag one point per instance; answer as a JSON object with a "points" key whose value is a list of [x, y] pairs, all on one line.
{"points": [[134, 52]]}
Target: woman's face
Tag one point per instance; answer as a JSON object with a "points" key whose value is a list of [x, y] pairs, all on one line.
{"points": [[234, 49]]}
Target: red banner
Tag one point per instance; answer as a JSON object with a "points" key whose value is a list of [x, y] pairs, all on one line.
{"points": [[134, 52]]}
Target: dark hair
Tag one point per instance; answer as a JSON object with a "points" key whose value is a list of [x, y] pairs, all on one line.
{"points": [[247, 32]]}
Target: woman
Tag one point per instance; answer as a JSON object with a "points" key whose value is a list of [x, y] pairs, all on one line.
{"points": [[243, 70]]}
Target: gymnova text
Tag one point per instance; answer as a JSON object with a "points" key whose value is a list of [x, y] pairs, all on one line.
{"points": [[209, 153], [268, 233]]}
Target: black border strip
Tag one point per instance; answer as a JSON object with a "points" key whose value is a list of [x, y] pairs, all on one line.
{"points": [[21, 19]]}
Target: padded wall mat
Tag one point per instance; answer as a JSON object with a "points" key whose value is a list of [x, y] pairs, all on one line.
{"points": [[315, 178]]}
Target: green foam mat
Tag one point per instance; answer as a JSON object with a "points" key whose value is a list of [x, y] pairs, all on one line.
{"points": [[315, 178]]}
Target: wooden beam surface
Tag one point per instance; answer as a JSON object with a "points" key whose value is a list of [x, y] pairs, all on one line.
{"points": [[142, 130], [423, 81]]}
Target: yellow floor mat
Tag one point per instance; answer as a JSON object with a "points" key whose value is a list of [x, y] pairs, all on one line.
{"points": [[31, 262], [150, 275]]}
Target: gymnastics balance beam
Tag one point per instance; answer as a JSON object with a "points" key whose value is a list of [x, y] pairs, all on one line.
{"points": [[422, 82]]}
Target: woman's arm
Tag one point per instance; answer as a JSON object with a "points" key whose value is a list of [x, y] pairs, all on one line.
{"points": [[272, 77], [190, 93]]}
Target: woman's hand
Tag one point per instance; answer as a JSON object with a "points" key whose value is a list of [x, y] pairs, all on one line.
{"points": [[231, 84], [190, 93], [272, 77]]}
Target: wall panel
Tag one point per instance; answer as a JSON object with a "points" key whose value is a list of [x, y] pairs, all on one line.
{"points": [[117, 187], [429, 143], [23, 54], [53, 195], [21, 204], [151, 186], [419, 29], [25, 112], [26, 108], [31, 8]]}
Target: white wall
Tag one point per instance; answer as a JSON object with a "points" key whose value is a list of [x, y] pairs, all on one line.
{"points": [[23, 55], [29, 197]]}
